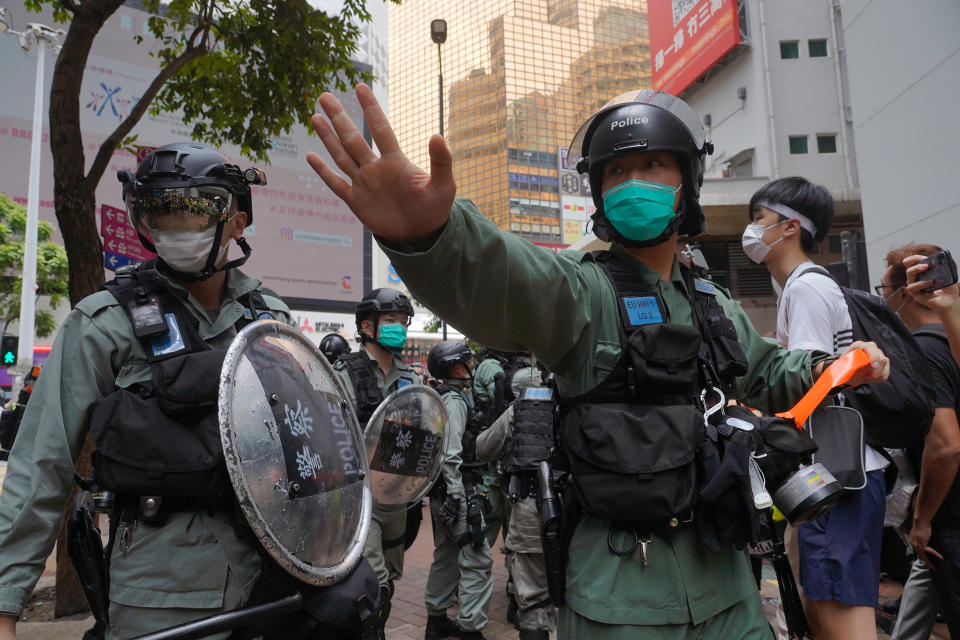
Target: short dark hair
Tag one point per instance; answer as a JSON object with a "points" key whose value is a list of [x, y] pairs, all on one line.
{"points": [[803, 196], [898, 272]]}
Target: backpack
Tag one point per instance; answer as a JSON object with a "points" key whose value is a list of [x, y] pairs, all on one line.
{"points": [[896, 413]]}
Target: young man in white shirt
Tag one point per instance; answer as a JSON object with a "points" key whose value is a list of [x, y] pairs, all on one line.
{"points": [[840, 550]]}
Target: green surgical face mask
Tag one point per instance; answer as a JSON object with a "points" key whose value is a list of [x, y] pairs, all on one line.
{"points": [[393, 336], [640, 210]]}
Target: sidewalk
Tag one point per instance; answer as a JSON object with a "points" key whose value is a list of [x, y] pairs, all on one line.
{"points": [[409, 616]]}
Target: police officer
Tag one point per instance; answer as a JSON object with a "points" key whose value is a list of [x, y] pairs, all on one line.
{"points": [[334, 345], [174, 559], [462, 564], [492, 389], [536, 616], [643, 153], [370, 375]]}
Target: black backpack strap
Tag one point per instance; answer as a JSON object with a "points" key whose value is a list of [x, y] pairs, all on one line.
{"points": [[364, 382]]}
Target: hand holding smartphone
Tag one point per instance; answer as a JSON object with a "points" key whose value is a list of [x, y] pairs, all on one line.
{"points": [[941, 271]]}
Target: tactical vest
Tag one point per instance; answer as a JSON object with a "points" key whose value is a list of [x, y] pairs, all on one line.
{"points": [[533, 420], [365, 386], [631, 443], [161, 438]]}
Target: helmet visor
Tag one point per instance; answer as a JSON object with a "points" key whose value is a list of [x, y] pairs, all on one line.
{"points": [[196, 208], [670, 103]]}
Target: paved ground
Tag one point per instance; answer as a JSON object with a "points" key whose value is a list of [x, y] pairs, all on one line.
{"points": [[409, 616]]}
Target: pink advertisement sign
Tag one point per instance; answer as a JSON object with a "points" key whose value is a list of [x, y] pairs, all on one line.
{"points": [[307, 246]]}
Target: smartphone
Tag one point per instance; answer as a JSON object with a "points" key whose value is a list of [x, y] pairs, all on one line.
{"points": [[942, 270]]}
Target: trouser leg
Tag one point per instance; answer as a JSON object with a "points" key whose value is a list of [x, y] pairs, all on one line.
{"points": [[444, 576], [536, 611], [918, 606]]}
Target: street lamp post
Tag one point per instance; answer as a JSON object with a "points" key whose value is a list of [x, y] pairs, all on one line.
{"points": [[43, 36], [438, 33]]}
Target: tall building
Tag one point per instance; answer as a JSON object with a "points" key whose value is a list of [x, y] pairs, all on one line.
{"points": [[519, 77]]}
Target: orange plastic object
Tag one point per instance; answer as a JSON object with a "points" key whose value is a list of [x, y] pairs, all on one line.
{"points": [[838, 373]]}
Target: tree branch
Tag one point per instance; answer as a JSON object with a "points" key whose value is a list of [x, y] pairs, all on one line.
{"points": [[114, 139], [70, 5]]}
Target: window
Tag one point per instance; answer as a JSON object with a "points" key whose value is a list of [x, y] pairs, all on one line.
{"points": [[789, 49], [817, 48], [798, 144], [827, 143]]}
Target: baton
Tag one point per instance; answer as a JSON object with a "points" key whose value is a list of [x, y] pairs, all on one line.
{"points": [[227, 620]]}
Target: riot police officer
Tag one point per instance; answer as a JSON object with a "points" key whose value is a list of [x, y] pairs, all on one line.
{"points": [[178, 553], [369, 375], [334, 345], [462, 564], [643, 153], [519, 442]]}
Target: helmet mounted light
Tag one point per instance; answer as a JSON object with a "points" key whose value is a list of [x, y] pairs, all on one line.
{"points": [[193, 181]]}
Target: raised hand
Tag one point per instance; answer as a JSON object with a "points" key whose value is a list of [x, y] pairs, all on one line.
{"points": [[394, 198], [946, 299]]}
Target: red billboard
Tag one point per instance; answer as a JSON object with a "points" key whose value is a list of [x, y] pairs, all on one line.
{"points": [[687, 37]]}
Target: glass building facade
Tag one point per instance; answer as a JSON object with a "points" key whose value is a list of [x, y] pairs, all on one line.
{"points": [[519, 77]]}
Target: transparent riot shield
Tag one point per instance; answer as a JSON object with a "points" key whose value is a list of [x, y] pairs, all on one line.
{"points": [[294, 452], [404, 441]]}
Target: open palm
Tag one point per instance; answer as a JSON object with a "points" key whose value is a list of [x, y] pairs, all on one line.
{"points": [[393, 197]]}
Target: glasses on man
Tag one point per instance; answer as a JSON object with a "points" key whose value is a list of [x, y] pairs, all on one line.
{"points": [[880, 287]]}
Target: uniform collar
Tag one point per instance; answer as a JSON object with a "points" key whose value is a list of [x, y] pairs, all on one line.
{"points": [[649, 275]]}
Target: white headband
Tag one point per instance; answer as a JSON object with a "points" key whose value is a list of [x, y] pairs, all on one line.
{"points": [[787, 212]]}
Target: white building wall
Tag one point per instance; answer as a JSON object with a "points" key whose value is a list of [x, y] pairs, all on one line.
{"points": [[803, 99], [904, 63]]}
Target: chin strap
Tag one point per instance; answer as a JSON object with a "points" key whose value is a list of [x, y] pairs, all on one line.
{"points": [[208, 271]]}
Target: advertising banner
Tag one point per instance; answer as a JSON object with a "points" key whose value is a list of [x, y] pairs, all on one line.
{"points": [[687, 37], [307, 245], [576, 204]]}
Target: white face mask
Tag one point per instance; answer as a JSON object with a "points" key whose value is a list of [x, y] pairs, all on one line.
{"points": [[753, 244], [186, 250]]}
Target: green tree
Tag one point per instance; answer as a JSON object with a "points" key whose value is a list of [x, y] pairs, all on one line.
{"points": [[241, 71], [51, 267]]}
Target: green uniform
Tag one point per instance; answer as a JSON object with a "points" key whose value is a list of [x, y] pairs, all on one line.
{"points": [[196, 563], [384, 546], [563, 309], [496, 507], [458, 569], [524, 549]]}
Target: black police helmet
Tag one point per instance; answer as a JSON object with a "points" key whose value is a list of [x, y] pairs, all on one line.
{"points": [[644, 121], [193, 176], [334, 345], [380, 301], [188, 164], [446, 354]]}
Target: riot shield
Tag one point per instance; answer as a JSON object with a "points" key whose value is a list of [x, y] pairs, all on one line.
{"points": [[404, 439], [294, 452]]}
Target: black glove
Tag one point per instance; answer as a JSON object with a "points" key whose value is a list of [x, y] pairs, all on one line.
{"points": [[727, 513], [450, 512]]}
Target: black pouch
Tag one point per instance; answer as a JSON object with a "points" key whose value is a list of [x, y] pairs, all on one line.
{"points": [[163, 438], [726, 354], [663, 363], [189, 383], [633, 463], [838, 431]]}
